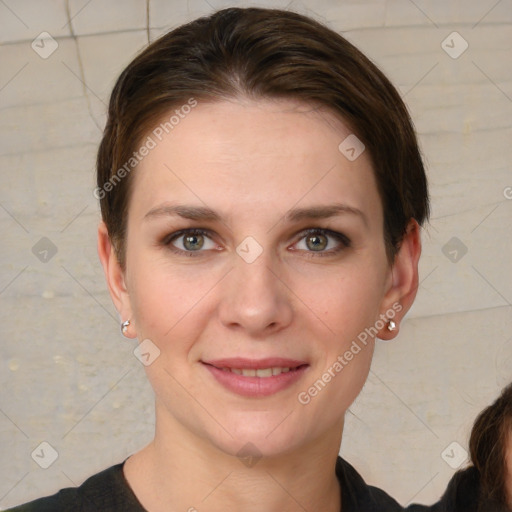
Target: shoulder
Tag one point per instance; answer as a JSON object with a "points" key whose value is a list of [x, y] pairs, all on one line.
{"points": [[106, 491], [463, 494], [357, 495]]}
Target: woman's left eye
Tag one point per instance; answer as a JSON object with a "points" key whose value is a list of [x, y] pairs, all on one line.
{"points": [[322, 241]]}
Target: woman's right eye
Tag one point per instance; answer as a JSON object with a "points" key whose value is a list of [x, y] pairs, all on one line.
{"points": [[190, 241]]}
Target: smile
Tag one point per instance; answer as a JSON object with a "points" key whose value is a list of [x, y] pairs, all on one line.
{"points": [[260, 372], [256, 378]]}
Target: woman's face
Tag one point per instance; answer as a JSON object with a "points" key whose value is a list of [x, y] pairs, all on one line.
{"points": [[255, 260]]}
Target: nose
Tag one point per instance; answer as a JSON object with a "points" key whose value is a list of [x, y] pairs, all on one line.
{"points": [[255, 298]]}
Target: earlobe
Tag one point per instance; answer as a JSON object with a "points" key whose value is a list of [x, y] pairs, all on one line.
{"points": [[114, 274], [404, 281]]}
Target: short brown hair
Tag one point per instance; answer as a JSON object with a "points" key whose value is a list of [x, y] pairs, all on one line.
{"points": [[488, 445], [263, 53]]}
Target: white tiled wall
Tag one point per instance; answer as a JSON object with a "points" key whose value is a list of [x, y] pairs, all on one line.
{"points": [[67, 377]]}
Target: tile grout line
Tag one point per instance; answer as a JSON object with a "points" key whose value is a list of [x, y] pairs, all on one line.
{"points": [[80, 65], [148, 28], [451, 313]]}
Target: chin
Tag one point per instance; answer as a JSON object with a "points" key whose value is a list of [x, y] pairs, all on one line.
{"points": [[262, 434], [254, 448]]}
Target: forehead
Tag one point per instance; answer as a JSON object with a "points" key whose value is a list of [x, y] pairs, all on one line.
{"points": [[250, 153]]}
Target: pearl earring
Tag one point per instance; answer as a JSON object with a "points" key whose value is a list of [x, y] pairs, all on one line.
{"points": [[124, 327], [391, 325]]}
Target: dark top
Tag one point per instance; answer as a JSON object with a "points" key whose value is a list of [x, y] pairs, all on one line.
{"points": [[109, 491], [463, 494]]}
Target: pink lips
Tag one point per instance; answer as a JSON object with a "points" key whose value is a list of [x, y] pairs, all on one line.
{"points": [[256, 386]]}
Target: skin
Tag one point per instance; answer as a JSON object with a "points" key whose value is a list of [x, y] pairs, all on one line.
{"points": [[253, 161]]}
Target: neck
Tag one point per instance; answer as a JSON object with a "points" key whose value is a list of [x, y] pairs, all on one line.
{"points": [[181, 472]]}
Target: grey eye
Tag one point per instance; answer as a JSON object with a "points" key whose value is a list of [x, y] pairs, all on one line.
{"points": [[317, 242]]}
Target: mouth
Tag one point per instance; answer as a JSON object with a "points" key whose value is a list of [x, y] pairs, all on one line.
{"points": [[260, 372], [249, 377]]}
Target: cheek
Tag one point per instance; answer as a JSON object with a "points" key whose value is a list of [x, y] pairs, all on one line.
{"points": [[168, 299], [346, 298], [347, 302]]}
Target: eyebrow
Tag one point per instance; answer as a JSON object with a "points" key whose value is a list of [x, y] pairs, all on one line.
{"points": [[323, 212], [185, 211], [204, 213]]}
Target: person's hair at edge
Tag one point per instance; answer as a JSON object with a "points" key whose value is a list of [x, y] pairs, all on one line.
{"points": [[488, 445], [264, 53]]}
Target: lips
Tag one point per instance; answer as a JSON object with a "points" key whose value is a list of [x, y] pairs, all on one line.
{"points": [[250, 377]]}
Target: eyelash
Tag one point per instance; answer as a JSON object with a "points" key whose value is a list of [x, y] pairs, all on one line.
{"points": [[340, 237]]}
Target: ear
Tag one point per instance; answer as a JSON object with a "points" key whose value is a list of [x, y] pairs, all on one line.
{"points": [[115, 278], [403, 282]]}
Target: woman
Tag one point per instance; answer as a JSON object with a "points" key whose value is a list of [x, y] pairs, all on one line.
{"points": [[262, 193]]}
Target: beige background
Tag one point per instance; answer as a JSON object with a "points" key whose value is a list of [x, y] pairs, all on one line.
{"points": [[67, 376]]}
